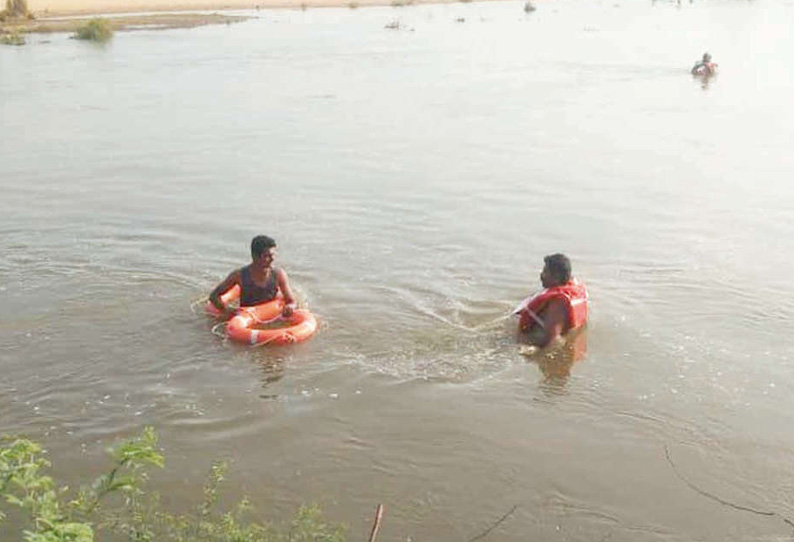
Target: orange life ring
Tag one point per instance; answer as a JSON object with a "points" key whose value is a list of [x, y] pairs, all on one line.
{"points": [[240, 327], [230, 295], [301, 325]]}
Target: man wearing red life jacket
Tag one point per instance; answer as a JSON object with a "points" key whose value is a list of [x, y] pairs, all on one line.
{"points": [[704, 66], [560, 307]]}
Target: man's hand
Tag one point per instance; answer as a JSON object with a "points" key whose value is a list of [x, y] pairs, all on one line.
{"points": [[528, 350], [289, 308]]}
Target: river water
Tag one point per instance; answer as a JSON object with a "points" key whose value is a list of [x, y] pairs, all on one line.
{"points": [[414, 179]]}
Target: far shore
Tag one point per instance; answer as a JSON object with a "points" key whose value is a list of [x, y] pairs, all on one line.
{"points": [[67, 15], [62, 8]]}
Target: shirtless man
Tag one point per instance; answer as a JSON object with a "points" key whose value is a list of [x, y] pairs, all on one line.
{"points": [[259, 281], [560, 307]]}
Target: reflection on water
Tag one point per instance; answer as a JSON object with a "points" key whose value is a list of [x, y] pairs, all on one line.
{"points": [[273, 367], [411, 205], [556, 361], [705, 80]]}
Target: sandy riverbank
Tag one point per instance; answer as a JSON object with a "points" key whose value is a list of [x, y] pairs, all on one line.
{"points": [[44, 8], [151, 21], [67, 15]]}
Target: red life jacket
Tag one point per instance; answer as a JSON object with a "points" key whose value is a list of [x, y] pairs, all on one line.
{"points": [[705, 68], [573, 292]]}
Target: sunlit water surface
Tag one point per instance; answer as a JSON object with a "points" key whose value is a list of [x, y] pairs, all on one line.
{"points": [[414, 179]]}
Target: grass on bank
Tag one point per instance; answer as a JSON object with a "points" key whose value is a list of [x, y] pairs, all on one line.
{"points": [[54, 514], [13, 36], [95, 29]]}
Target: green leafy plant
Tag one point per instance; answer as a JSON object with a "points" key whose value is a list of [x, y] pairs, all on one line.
{"points": [[14, 36], [23, 484], [96, 29], [137, 515]]}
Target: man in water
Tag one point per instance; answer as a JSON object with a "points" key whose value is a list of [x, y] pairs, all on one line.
{"points": [[557, 309], [259, 281], [704, 66]]}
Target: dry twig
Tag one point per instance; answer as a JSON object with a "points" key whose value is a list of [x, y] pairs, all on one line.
{"points": [[376, 524], [487, 531]]}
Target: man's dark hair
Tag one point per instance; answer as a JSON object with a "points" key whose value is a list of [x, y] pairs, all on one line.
{"points": [[261, 243], [559, 266]]}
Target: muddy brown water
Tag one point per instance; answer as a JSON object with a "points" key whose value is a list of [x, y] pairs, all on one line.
{"points": [[414, 179]]}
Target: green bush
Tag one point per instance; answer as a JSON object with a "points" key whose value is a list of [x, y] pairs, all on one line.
{"points": [[53, 517], [95, 30], [15, 36]]}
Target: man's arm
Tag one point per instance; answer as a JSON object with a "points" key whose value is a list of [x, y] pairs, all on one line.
{"points": [[554, 317], [222, 288], [286, 291]]}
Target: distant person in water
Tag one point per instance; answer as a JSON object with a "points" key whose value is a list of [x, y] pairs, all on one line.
{"points": [[259, 281], [705, 66], [557, 309]]}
